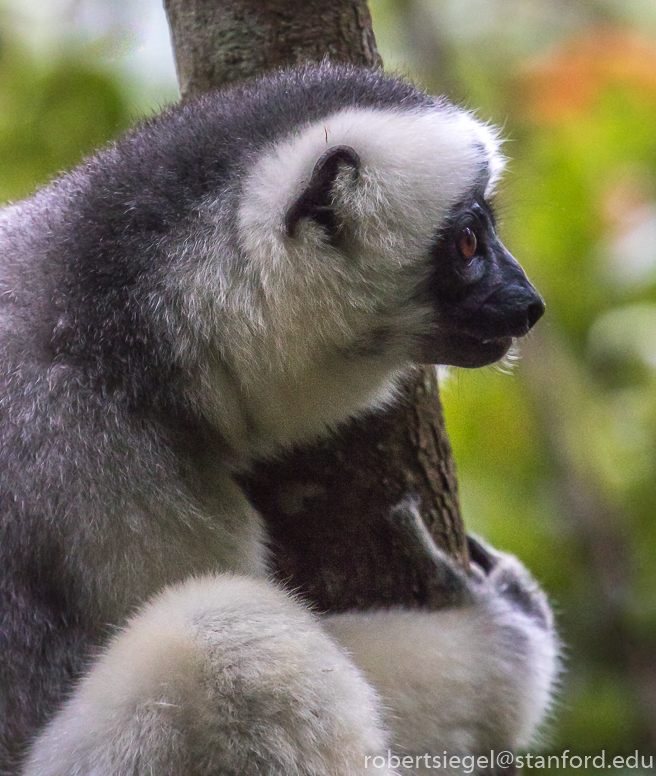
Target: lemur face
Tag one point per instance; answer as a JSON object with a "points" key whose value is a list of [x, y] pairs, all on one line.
{"points": [[479, 296], [482, 297]]}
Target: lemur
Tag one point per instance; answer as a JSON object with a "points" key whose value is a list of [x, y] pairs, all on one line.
{"points": [[235, 276]]}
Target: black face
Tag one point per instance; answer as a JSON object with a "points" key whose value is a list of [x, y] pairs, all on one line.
{"points": [[482, 297]]}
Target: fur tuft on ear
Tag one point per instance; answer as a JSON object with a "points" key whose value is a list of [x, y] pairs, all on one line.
{"points": [[316, 201]]}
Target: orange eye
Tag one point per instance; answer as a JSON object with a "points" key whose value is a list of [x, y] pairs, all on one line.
{"points": [[467, 243]]}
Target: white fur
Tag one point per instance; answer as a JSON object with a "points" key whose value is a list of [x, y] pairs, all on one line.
{"points": [[440, 673], [220, 674], [462, 680], [212, 654], [415, 166], [290, 315]]}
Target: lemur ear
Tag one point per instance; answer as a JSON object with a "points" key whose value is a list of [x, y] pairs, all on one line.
{"points": [[316, 201]]}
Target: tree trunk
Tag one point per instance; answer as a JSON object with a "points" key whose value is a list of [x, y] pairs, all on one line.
{"points": [[219, 41], [330, 508]]}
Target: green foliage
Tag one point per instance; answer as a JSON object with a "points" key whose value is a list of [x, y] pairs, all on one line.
{"points": [[51, 115]]}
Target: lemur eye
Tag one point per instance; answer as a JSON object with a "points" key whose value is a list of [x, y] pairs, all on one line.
{"points": [[467, 243]]}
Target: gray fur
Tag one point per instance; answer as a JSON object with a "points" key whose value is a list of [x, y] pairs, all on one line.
{"points": [[162, 323]]}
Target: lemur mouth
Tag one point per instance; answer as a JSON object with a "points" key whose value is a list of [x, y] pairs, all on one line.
{"points": [[465, 350]]}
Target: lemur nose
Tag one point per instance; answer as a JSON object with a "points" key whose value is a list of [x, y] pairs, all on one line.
{"points": [[534, 313]]}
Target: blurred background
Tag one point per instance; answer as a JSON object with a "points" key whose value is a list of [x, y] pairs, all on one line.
{"points": [[557, 453]]}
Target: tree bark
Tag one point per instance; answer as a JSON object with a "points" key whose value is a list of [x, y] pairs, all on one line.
{"points": [[331, 509], [219, 41]]}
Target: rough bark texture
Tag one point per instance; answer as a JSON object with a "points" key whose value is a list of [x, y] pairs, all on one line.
{"points": [[219, 41], [336, 535], [337, 532]]}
